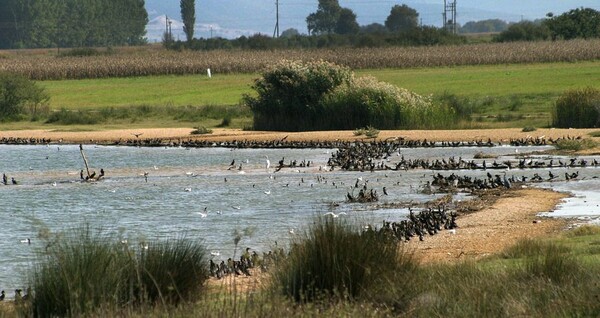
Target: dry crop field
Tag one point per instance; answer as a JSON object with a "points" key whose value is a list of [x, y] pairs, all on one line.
{"points": [[149, 62]]}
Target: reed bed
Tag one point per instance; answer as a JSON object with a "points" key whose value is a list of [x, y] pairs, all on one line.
{"points": [[162, 62]]}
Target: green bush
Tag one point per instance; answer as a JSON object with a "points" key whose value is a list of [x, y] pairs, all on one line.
{"points": [[578, 109], [290, 94], [84, 272], [201, 130], [322, 96], [335, 259], [19, 95], [365, 102]]}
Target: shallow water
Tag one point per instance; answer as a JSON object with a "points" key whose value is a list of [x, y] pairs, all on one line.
{"points": [[49, 194]]}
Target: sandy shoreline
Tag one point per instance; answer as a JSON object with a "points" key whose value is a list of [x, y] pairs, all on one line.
{"points": [[219, 134], [511, 218]]}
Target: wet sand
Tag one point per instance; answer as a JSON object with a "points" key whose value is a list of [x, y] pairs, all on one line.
{"points": [[219, 134]]}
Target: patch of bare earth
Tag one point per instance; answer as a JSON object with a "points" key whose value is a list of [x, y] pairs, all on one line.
{"points": [[512, 217]]}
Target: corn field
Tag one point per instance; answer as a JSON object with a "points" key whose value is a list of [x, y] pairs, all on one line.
{"points": [[163, 62]]}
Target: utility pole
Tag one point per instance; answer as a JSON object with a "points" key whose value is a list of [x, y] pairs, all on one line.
{"points": [[450, 16], [276, 31]]}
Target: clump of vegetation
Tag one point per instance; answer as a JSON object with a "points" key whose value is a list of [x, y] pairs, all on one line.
{"points": [[290, 94], [575, 144], [72, 117], [84, 271], [337, 260], [595, 134], [171, 272], [528, 129], [369, 132], [295, 96], [578, 109], [225, 122], [201, 130], [18, 96]]}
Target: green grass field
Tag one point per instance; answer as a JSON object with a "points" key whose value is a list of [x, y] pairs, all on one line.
{"points": [[502, 95]]}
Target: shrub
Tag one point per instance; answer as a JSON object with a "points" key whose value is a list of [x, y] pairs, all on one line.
{"points": [[528, 129], [225, 122], [524, 31], [578, 109], [365, 102], [335, 259], [201, 130], [322, 96], [18, 94], [290, 94]]}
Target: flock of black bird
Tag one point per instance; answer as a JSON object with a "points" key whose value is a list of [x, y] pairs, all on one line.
{"points": [[284, 143], [371, 156], [18, 296]]}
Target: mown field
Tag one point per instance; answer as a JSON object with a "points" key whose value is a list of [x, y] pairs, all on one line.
{"points": [[514, 95]]}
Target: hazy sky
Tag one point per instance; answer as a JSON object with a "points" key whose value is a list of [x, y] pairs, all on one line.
{"points": [[233, 18]]}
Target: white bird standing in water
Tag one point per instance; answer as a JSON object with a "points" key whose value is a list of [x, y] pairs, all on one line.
{"points": [[267, 163]]}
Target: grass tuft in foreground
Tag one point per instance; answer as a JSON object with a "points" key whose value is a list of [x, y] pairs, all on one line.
{"points": [[86, 272], [335, 259]]}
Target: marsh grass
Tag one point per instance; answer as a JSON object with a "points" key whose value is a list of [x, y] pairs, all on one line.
{"points": [[173, 271], [335, 259], [575, 144], [85, 271]]}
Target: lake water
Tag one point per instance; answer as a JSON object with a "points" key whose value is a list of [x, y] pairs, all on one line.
{"points": [[184, 184]]}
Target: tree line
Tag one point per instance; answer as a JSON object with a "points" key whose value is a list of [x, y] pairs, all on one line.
{"points": [[72, 23], [333, 26]]}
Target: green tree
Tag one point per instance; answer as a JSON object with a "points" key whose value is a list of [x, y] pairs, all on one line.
{"points": [[577, 23], [17, 93], [325, 19], [524, 31], [188, 16], [346, 23], [402, 18], [289, 33], [71, 23], [484, 26]]}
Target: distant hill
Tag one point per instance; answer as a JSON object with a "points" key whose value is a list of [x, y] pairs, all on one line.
{"points": [[234, 18]]}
